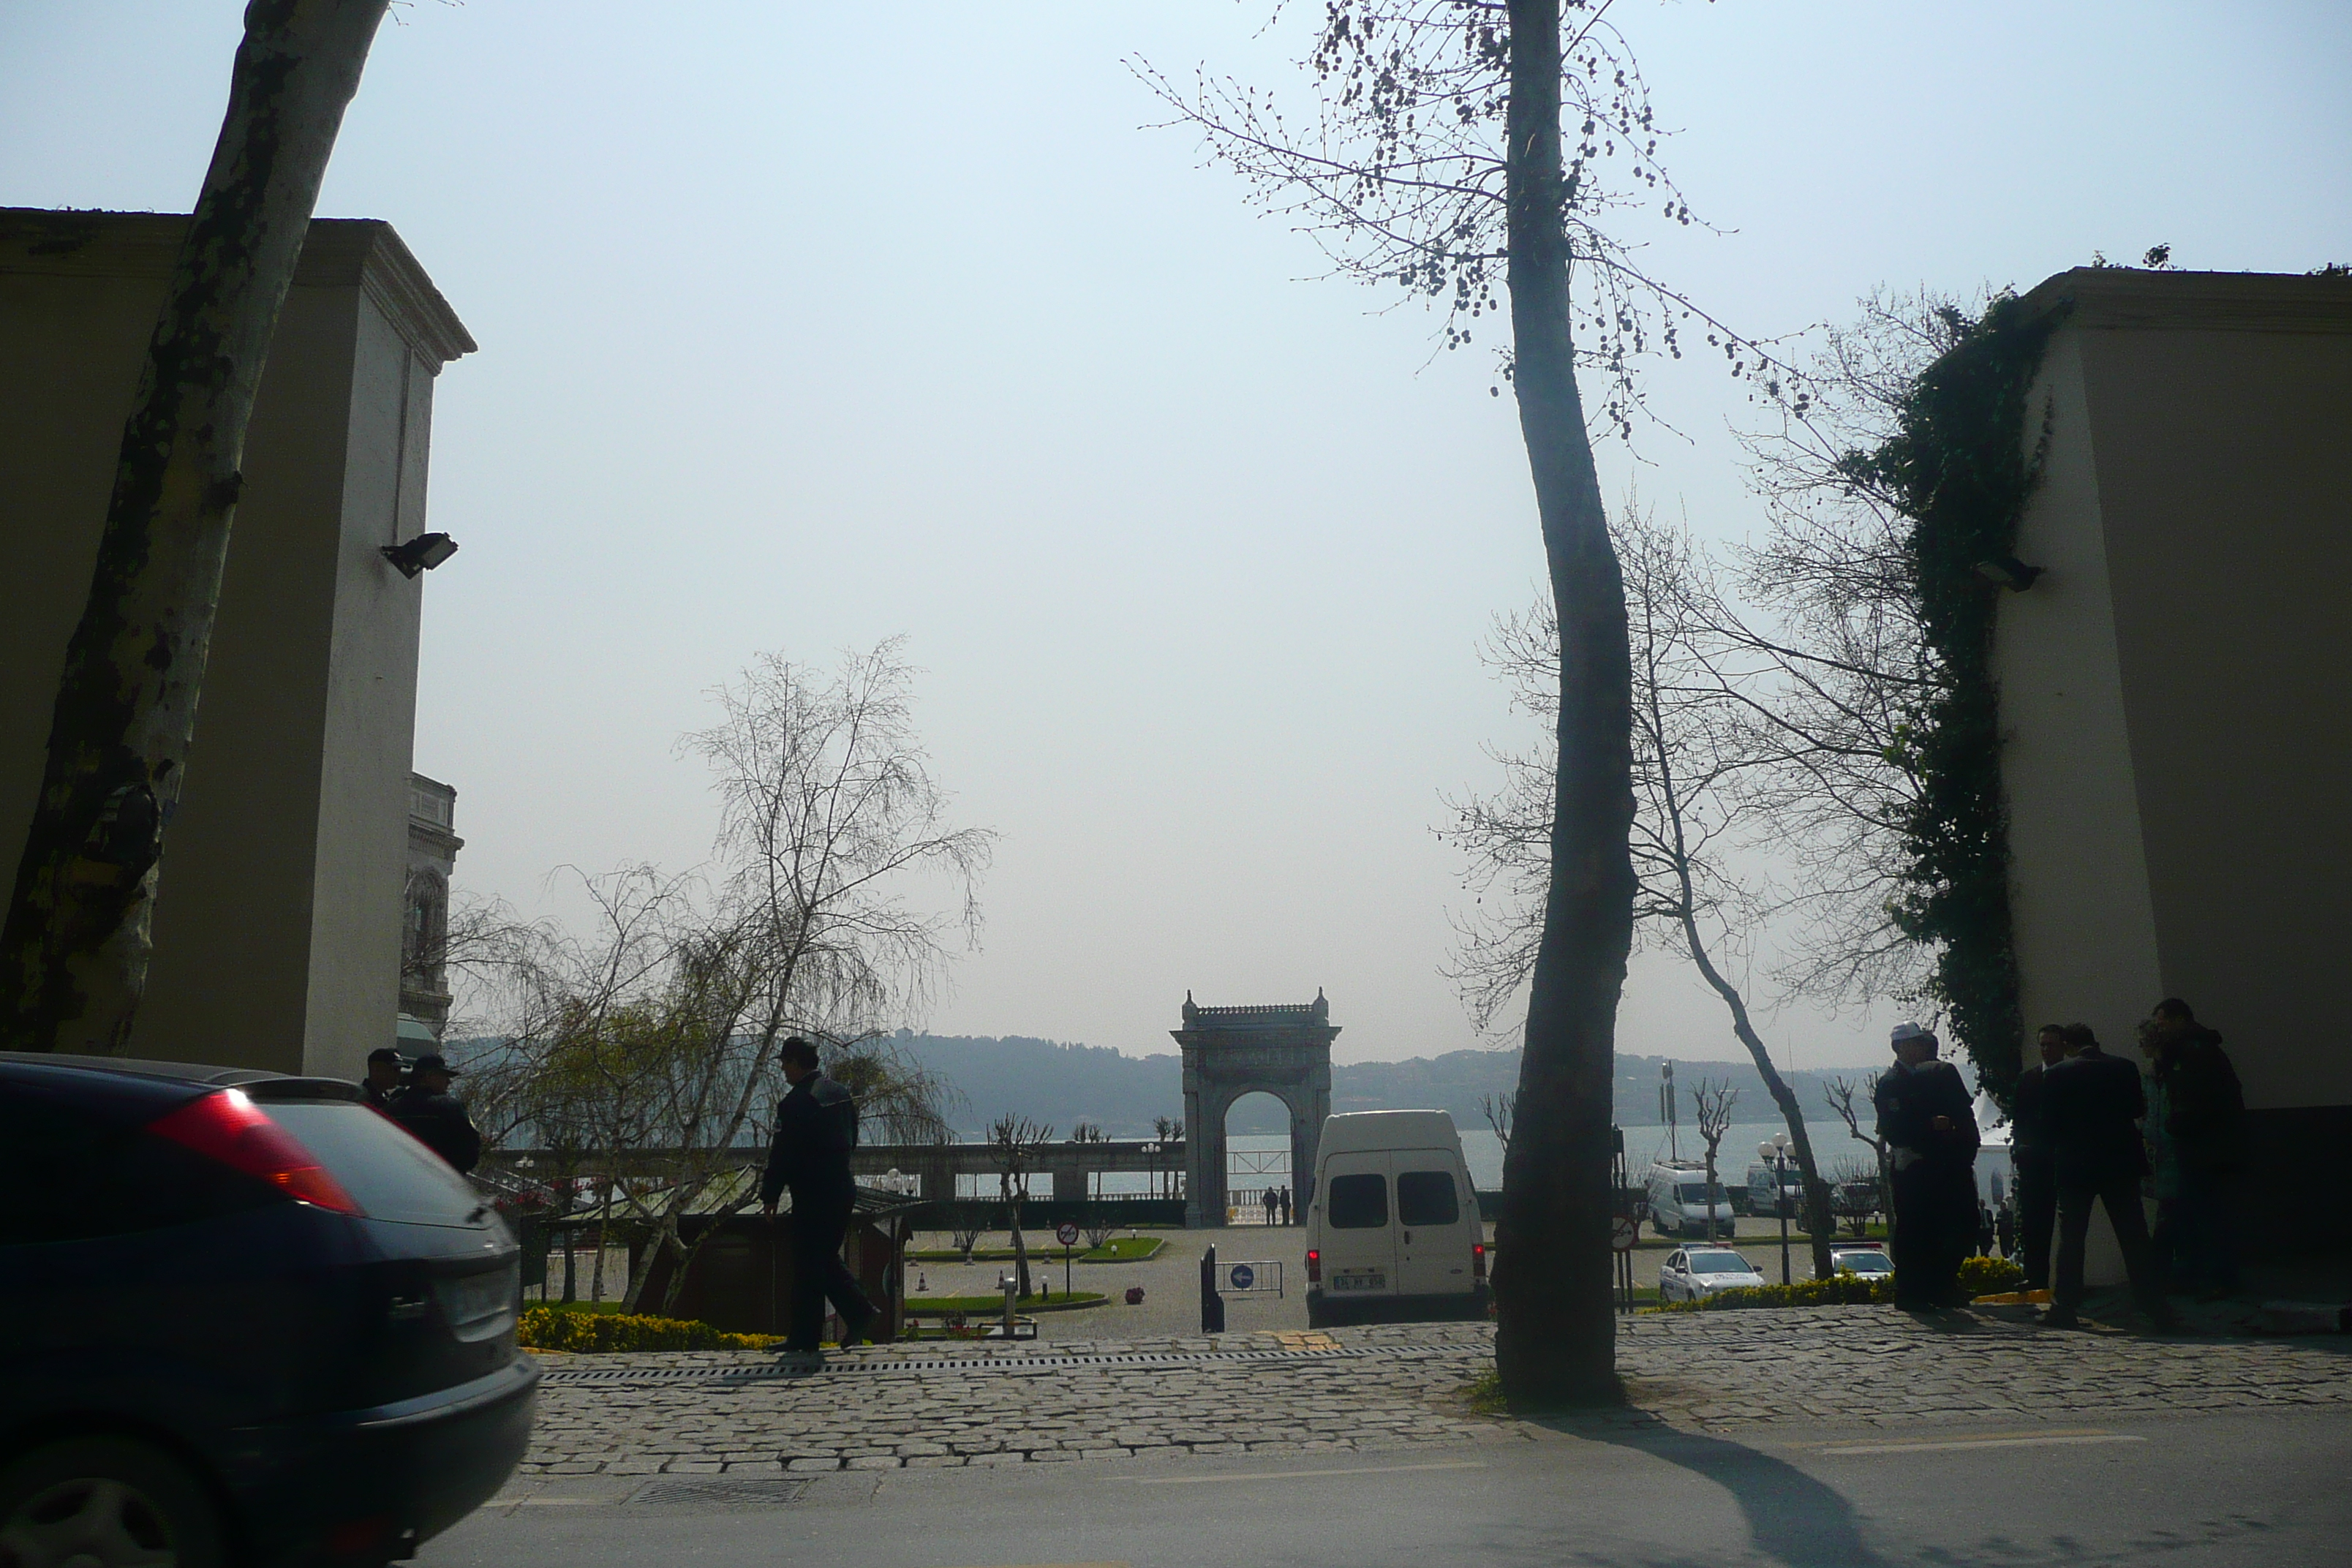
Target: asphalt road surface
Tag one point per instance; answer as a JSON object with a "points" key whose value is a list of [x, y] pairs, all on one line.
{"points": [[2239, 1489]]}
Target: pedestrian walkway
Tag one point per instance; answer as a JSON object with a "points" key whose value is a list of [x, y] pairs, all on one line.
{"points": [[1403, 1387]]}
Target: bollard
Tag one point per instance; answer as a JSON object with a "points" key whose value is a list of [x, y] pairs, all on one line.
{"points": [[1212, 1305], [1011, 1284]]}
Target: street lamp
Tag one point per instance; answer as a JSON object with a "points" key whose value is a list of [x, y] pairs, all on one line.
{"points": [[1774, 1151]]}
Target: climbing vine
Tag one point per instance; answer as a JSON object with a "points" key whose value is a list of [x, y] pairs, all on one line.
{"points": [[1959, 469]]}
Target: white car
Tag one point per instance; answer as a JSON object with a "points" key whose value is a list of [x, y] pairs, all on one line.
{"points": [[1692, 1273], [1870, 1262]]}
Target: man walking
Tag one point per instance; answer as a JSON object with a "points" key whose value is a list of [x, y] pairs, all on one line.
{"points": [[1930, 1128], [816, 1128], [2004, 1229], [2197, 1122], [434, 1115], [2093, 1102], [2028, 1154]]}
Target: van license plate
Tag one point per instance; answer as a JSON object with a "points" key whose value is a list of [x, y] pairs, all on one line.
{"points": [[1361, 1280]]}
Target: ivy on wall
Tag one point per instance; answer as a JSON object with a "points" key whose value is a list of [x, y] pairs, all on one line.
{"points": [[1960, 469]]}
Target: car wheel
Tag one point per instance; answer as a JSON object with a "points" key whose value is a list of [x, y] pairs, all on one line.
{"points": [[108, 1502]]}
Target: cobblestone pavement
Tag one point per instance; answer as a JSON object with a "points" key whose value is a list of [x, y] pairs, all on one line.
{"points": [[1394, 1387]]}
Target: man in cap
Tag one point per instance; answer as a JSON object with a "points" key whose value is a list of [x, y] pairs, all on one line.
{"points": [[383, 1069], [816, 1128], [1930, 1126], [437, 1117], [2094, 1104]]}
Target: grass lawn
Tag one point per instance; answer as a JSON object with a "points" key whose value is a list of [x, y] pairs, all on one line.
{"points": [[993, 1306]]}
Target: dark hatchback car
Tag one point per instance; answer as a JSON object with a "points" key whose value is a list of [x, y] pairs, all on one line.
{"points": [[243, 1320]]}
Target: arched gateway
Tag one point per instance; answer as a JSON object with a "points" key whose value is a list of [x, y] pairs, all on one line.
{"points": [[1232, 1051]]}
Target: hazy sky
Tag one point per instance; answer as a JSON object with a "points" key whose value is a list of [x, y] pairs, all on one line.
{"points": [[806, 325]]}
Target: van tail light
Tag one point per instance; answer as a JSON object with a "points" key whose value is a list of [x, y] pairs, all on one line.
{"points": [[228, 1127], [1479, 1260], [1314, 1265]]}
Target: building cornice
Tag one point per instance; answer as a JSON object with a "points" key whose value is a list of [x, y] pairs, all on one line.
{"points": [[2131, 298], [337, 253]]}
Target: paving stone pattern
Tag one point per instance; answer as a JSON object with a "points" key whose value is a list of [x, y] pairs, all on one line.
{"points": [[1716, 1371]]}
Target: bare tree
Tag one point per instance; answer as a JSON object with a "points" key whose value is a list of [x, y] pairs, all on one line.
{"points": [[1454, 143], [1713, 1103], [75, 948], [1841, 1094], [1496, 1110], [1702, 765], [1016, 1140]]}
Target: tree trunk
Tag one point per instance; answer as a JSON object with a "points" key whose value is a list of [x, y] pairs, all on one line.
{"points": [[1819, 1223], [1556, 1342], [73, 956]]}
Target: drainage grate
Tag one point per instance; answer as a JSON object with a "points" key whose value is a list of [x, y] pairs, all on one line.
{"points": [[568, 1376], [724, 1492]]}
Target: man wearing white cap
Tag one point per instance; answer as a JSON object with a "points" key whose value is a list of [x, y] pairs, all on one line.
{"points": [[1929, 1124]]}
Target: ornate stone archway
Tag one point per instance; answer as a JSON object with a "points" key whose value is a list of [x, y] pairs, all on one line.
{"points": [[1284, 1051]]}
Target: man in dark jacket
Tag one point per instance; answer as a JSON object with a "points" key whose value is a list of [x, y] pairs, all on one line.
{"points": [[1929, 1124], [2205, 1134], [437, 1117], [816, 1128], [2028, 1154], [2094, 1102], [383, 1069]]}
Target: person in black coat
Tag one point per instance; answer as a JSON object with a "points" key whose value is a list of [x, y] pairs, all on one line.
{"points": [[816, 1129], [2093, 1103], [1928, 1122], [435, 1117], [384, 1067], [2028, 1155], [2205, 1130]]}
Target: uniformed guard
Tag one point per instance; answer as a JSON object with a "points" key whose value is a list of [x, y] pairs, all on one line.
{"points": [[1930, 1126]]}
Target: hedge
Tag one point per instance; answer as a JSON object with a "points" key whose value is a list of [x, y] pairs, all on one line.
{"points": [[552, 1328]]}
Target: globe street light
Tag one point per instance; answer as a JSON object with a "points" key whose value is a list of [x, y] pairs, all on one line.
{"points": [[1774, 1151]]}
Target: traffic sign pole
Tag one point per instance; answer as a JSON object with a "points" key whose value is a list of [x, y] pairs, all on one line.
{"points": [[1067, 1234]]}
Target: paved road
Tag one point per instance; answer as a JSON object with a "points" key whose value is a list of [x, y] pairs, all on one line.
{"points": [[2232, 1488]]}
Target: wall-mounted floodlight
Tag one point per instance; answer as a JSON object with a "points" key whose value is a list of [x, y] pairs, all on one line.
{"points": [[421, 553], [2008, 571]]}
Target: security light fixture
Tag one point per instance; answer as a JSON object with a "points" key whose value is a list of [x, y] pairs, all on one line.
{"points": [[2009, 571], [421, 553]]}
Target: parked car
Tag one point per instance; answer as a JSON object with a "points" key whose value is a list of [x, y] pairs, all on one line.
{"points": [[1392, 1230], [1870, 1262], [1760, 1186], [243, 1319], [1678, 1200], [1692, 1273]]}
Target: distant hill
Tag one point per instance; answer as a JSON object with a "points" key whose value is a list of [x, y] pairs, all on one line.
{"points": [[1063, 1084]]}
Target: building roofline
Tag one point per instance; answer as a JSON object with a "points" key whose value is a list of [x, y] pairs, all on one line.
{"points": [[337, 252], [2112, 297]]}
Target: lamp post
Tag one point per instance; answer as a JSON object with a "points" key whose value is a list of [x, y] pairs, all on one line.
{"points": [[1775, 1151]]}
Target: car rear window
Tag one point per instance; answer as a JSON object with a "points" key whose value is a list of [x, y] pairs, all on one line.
{"points": [[1358, 1203], [1427, 1197], [388, 1172]]}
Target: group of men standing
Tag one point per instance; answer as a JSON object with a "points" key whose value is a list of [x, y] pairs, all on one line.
{"points": [[1276, 1202], [416, 1095], [2088, 1131]]}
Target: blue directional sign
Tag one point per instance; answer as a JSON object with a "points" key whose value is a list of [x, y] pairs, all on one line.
{"points": [[1244, 1277]]}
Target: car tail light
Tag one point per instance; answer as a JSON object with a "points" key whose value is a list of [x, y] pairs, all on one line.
{"points": [[1314, 1265], [228, 1127], [1479, 1260]]}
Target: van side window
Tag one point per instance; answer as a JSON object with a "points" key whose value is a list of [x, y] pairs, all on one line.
{"points": [[1426, 1198], [1356, 1202]]}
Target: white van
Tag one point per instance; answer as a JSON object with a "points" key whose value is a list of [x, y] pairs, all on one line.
{"points": [[1392, 1233], [1678, 1205]]}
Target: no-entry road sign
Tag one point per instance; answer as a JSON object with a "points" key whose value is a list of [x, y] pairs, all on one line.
{"points": [[1067, 1235]]}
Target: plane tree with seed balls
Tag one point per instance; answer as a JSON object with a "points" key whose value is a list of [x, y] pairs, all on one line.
{"points": [[73, 953], [1456, 146]]}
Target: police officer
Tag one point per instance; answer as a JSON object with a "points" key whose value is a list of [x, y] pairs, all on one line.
{"points": [[816, 1128], [1930, 1126], [437, 1117], [383, 1069]]}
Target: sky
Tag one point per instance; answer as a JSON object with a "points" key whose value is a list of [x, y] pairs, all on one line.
{"points": [[803, 327]]}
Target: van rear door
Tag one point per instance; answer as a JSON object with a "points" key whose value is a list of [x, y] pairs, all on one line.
{"points": [[1359, 1231], [1434, 1216]]}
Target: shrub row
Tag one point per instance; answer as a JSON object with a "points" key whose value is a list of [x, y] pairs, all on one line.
{"points": [[552, 1328]]}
